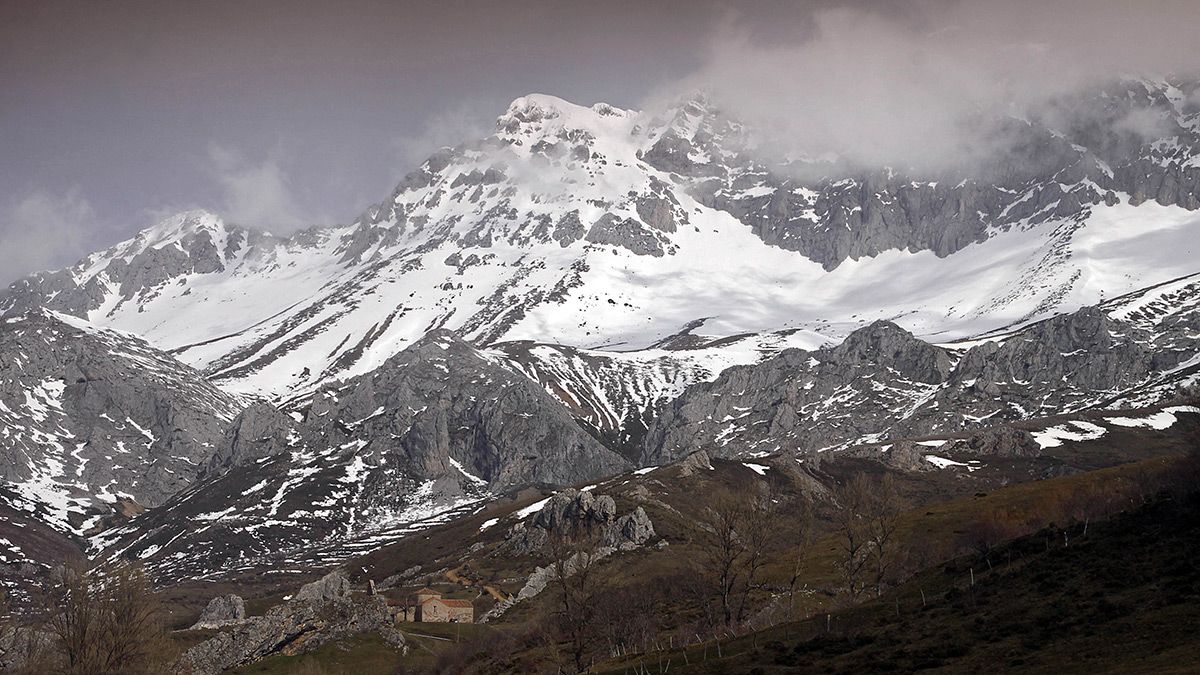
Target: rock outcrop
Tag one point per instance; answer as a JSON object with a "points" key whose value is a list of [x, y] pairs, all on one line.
{"points": [[332, 587], [694, 463], [626, 233], [883, 383], [90, 415], [325, 612], [588, 523], [573, 514], [221, 611]]}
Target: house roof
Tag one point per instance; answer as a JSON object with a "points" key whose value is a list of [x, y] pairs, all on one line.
{"points": [[457, 603], [426, 591]]}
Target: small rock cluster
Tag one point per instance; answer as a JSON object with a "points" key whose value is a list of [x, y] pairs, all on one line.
{"points": [[321, 611], [222, 610], [573, 512]]}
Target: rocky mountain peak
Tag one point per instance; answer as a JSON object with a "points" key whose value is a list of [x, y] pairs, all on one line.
{"points": [[552, 229], [180, 225], [884, 343], [542, 117]]}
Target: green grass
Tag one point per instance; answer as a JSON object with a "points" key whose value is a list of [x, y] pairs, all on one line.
{"points": [[361, 655]]}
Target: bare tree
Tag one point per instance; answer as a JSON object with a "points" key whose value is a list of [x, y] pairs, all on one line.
{"points": [[758, 532], [629, 617], [576, 586], [735, 533], [852, 523], [722, 549], [984, 534], [799, 547], [107, 622], [866, 520], [883, 517]]}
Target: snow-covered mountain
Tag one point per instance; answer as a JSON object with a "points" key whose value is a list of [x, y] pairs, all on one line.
{"points": [[605, 228], [91, 416], [882, 383], [584, 290], [444, 428]]}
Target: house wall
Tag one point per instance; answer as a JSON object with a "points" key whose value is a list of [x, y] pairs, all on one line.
{"points": [[436, 611], [433, 610]]}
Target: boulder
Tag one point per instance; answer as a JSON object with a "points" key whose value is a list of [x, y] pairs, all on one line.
{"points": [[631, 530], [694, 463], [221, 611], [331, 587]]}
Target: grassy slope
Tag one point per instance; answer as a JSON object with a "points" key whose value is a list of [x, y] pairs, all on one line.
{"points": [[934, 525], [1124, 598]]}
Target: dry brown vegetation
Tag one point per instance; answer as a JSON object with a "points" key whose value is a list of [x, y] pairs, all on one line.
{"points": [[734, 538], [1116, 594], [869, 543], [102, 621]]}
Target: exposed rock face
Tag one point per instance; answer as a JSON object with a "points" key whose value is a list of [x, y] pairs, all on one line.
{"points": [[259, 432], [450, 410], [632, 530], [694, 463], [436, 427], [1000, 442], [329, 588], [810, 399], [572, 513], [882, 383], [885, 345], [831, 212], [908, 455], [614, 398], [1069, 356], [903, 455], [627, 233], [221, 611], [95, 414], [292, 628]]}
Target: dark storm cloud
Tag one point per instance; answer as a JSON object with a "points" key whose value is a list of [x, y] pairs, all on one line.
{"points": [[281, 114]]}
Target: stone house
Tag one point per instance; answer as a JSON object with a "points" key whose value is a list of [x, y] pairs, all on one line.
{"points": [[427, 605]]}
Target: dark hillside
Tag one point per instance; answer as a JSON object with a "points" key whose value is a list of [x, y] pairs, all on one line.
{"points": [[1122, 597]]}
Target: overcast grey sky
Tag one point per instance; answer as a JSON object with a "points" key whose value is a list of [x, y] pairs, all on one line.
{"points": [[286, 113]]}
